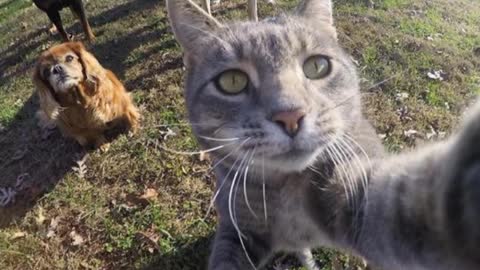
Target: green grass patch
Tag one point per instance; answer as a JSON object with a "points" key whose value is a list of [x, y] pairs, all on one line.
{"points": [[9, 8]]}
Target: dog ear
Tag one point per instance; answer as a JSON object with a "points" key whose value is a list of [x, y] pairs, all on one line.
{"points": [[47, 97], [93, 72]]}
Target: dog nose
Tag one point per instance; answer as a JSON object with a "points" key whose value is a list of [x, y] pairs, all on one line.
{"points": [[289, 120], [57, 69]]}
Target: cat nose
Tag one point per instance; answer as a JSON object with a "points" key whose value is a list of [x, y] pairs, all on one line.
{"points": [[57, 69], [289, 120]]}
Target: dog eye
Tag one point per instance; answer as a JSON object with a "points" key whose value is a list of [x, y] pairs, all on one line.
{"points": [[316, 67], [232, 81], [69, 58], [46, 73]]}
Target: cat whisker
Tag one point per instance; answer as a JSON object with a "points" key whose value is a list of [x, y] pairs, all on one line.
{"points": [[217, 192], [348, 165], [317, 171], [229, 154], [184, 124], [369, 164], [245, 184], [263, 188], [231, 211], [348, 169], [359, 164], [219, 139], [348, 137], [385, 81], [231, 194], [356, 166], [337, 167], [341, 103], [363, 178], [195, 152]]}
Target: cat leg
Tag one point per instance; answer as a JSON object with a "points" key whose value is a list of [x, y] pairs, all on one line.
{"points": [[229, 254], [306, 258], [421, 205]]}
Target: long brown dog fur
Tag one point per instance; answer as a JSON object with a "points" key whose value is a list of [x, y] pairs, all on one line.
{"points": [[98, 102]]}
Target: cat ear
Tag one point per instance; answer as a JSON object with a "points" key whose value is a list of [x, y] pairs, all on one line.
{"points": [[191, 24], [317, 11]]}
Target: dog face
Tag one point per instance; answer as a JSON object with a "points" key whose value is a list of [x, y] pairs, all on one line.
{"points": [[65, 66], [62, 67]]}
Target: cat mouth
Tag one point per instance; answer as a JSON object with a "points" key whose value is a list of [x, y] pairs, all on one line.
{"points": [[294, 153], [293, 160]]}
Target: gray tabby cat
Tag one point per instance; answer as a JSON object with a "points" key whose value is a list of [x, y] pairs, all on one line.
{"points": [[299, 166]]}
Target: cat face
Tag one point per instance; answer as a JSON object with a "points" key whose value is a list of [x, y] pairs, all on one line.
{"points": [[275, 92]]}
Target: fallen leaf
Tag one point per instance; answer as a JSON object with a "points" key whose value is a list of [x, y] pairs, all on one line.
{"points": [[17, 235], [411, 133], [54, 222], [40, 218], [436, 75], [150, 239], [50, 233], [7, 195], [77, 239], [149, 193], [401, 96], [51, 228]]}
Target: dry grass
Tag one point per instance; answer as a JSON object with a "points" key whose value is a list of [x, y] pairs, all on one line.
{"points": [[138, 207]]}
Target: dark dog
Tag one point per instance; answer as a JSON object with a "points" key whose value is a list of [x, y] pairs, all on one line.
{"points": [[52, 8]]}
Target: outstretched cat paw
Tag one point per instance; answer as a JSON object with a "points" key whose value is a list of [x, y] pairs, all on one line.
{"points": [[461, 172]]}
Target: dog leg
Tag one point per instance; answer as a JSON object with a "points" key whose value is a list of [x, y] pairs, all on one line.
{"points": [[132, 118], [57, 21], [80, 139], [102, 144], [43, 121], [78, 9]]}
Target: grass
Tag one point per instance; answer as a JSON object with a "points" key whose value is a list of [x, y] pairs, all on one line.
{"points": [[102, 197]]}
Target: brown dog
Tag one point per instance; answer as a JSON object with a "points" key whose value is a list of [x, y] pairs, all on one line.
{"points": [[81, 97], [52, 8]]}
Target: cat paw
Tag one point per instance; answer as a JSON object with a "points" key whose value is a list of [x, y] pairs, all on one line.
{"points": [[461, 171]]}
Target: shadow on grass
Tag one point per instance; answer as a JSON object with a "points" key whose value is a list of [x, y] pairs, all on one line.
{"points": [[191, 256], [194, 256], [32, 161]]}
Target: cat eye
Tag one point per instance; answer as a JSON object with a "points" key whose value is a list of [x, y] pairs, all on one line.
{"points": [[232, 81], [69, 58], [316, 67]]}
